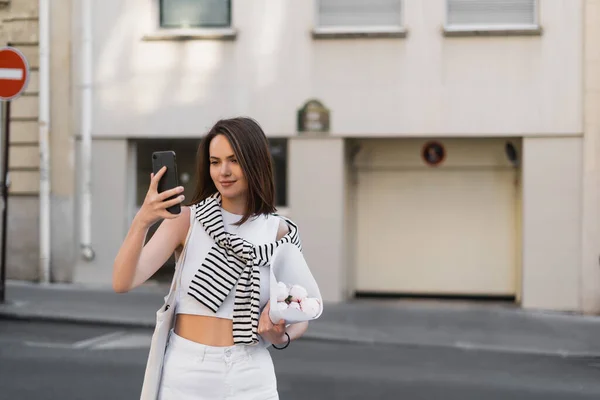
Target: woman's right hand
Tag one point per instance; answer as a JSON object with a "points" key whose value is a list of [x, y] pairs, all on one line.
{"points": [[155, 207]]}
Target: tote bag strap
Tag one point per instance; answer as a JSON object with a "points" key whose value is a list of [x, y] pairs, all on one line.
{"points": [[179, 260]]}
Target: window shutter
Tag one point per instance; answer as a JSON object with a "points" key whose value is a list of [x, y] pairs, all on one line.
{"points": [[492, 12], [352, 13]]}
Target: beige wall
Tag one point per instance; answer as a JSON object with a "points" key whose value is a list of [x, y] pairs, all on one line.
{"points": [[18, 27], [424, 84], [22, 240], [317, 199], [61, 138], [552, 223], [590, 274]]}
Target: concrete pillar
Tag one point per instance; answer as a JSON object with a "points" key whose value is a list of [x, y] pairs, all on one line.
{"points": [[590, 266], [109, 209], [62, 146], [317, 176], [552, 223]]}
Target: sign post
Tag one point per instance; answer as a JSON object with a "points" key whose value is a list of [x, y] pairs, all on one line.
{"points": [[14, 76]]}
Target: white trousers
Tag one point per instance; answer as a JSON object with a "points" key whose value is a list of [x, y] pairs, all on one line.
{"points": [[195, 371]]}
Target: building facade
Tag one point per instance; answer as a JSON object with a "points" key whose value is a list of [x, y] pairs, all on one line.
{"points": [[20, 27], [456, 155]]}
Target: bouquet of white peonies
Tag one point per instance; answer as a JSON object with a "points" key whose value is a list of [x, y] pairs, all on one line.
{"points": [[295, 295]]}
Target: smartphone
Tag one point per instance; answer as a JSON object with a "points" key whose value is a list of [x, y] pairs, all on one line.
{"points": [[169, 180]]}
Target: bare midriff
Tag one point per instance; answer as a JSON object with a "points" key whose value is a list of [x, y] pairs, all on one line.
{"points": [[210, 331]]}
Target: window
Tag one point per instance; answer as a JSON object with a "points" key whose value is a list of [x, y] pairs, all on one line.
{"points": [[360, 13], [491, 14], [195, 13]]}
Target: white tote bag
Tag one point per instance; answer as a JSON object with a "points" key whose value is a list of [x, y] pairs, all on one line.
{"points": [[289, 266], [165, 318]]}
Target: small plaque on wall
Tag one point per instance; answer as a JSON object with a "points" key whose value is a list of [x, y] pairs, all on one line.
{"points": [[433, 153], [313, 117]]}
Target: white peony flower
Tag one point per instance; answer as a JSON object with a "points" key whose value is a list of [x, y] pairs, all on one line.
{"points": [[310, 306], [294, 305], [282, 291], [298, 293], [282, 306]]}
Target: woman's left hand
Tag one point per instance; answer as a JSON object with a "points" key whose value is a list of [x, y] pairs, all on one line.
{"points": [[273, 333]]}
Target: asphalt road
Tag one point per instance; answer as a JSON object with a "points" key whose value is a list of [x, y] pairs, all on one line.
{"points": [[61, 361]]}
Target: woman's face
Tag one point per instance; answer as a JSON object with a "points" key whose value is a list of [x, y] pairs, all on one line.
{"points": [[225, 169]]}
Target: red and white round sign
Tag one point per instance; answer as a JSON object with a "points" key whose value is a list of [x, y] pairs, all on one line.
{"points": [[14, 73]]}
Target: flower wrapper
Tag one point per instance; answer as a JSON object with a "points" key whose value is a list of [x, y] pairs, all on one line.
{"points": [[289, 266]]}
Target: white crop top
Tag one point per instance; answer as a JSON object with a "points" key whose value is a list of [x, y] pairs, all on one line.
{"points": [[258, 230]]}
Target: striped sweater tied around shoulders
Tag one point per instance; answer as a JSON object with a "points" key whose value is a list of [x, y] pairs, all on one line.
{"points": [[232, 260]]}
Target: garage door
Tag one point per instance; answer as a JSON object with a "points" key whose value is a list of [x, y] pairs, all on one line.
{"points": [[451, 229]]}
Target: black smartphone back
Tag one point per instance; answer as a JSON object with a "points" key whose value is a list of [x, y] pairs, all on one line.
{"points": [[169, 180]]}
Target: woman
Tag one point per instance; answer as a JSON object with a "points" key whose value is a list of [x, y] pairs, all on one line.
{"points": [[218, 347]]}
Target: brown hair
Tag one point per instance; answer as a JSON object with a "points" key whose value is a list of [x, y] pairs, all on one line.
{"points": [[251, 148]]}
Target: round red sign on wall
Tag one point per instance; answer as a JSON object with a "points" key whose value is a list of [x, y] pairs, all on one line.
{"points": [[14, 73], [433, 153]]}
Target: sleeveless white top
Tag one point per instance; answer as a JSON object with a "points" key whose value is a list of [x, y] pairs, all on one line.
{"points": [[258, 230]]}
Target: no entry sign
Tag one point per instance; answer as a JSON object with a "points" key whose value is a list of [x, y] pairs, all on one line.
{"points": [[14, 73]]}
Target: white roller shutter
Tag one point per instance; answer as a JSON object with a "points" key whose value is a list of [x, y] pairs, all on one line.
{"points": [[361, 13], [492, 12], [446, 230]]}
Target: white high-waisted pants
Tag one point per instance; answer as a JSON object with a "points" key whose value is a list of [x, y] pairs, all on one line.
{"points": [[196, 371]]}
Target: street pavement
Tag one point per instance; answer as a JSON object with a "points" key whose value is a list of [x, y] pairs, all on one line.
{"points": [[57, 360], [499, 328]]}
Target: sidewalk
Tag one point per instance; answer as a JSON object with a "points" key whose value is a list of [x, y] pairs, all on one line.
{"points": [[469, 326]]}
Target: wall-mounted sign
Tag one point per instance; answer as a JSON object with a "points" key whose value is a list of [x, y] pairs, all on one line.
{"points": [[433, 153], [313, 117]]}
